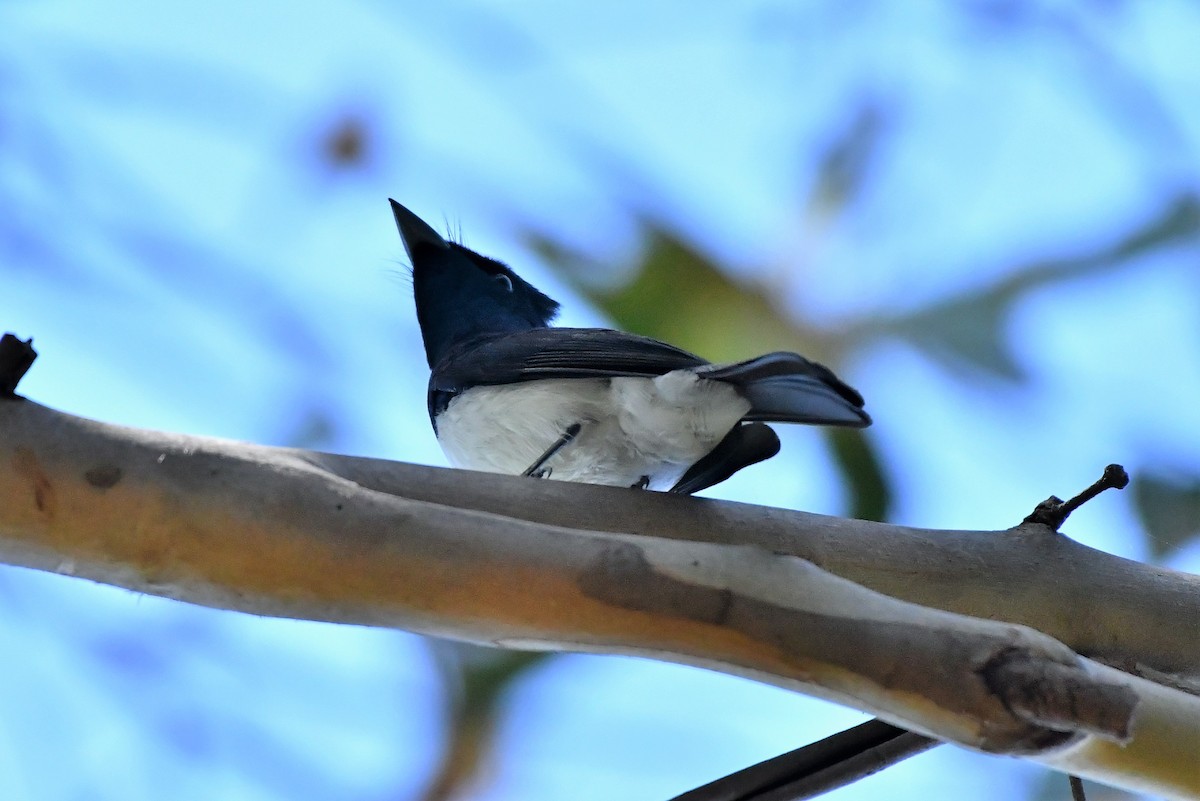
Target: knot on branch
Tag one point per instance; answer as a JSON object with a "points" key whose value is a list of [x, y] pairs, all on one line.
{"points": [[1060, 697], [621, 574]]}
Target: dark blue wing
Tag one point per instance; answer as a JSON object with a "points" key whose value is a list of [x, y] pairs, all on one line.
{"points": [[558, 353], [783, 387]]}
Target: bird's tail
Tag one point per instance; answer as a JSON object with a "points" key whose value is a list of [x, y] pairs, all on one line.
{"points": [[787, 388]]}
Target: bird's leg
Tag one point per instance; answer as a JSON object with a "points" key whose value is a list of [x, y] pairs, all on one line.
{"points": [[538, 469], [642, 483]]}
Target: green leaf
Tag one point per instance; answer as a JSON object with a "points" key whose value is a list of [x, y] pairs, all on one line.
{"points": [[679, 295], [477, 682], [966, 332], [847, 162], [870, 494], [1170, 510]]}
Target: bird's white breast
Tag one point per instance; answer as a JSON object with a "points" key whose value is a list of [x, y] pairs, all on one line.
{"points": [[630, 427]]}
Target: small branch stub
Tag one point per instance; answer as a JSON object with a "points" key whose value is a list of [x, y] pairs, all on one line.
{"points": [[1054, 511], [16, 357], [1061, 697]]}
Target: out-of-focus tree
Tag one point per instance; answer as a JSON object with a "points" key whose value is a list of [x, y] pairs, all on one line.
{"points": [[985, 214]]}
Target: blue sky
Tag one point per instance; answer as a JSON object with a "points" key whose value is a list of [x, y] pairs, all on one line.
{"points": [[187, 261]]}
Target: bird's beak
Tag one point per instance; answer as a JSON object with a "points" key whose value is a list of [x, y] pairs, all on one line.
{"points": [[414, 231]]}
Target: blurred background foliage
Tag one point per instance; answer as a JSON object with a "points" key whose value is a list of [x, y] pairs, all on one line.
{"points": [[984, 215]]}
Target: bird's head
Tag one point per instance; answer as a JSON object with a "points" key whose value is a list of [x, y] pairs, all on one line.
{"points": [[460, 294]]}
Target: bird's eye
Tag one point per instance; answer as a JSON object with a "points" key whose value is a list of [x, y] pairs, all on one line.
{"points": [[504, 281]]}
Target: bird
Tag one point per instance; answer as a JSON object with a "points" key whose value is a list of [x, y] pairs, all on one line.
{"points": [[510, 393]]}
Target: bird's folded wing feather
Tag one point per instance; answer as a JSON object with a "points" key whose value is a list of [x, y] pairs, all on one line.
{"points": [[780, 386], [560, 353], [786, 387]]}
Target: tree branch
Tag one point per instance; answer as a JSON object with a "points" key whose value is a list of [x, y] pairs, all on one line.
{"points": [[548, 565], [1019, 575]]}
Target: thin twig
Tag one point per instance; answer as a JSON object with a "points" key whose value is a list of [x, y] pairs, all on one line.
{"points": [[16, 356], [1054, 511], [817, 768]]}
